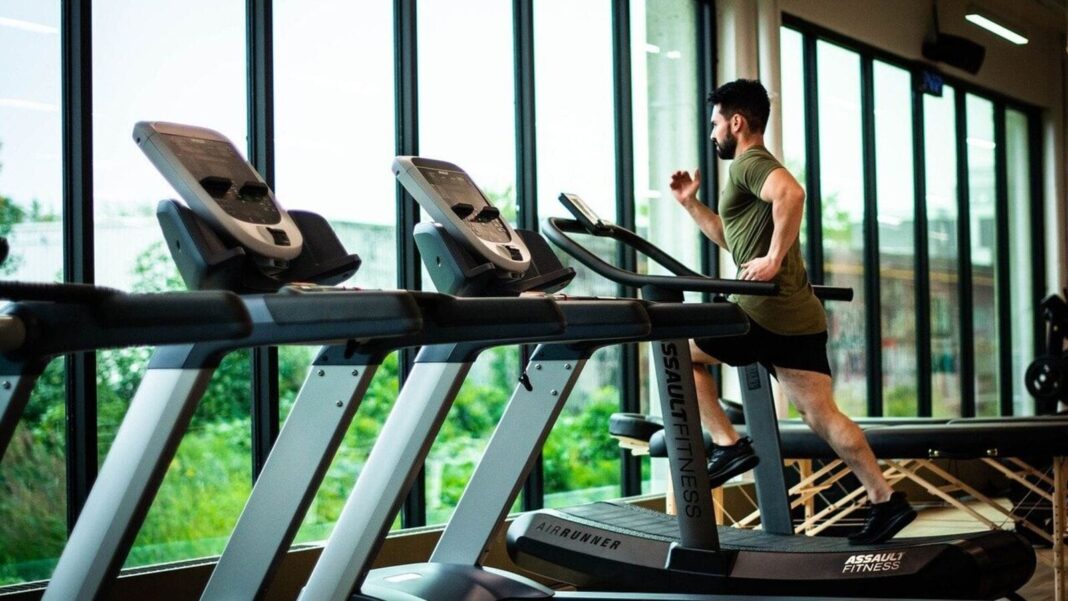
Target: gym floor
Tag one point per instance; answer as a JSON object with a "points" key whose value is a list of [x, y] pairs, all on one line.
{"points": [[935, 521]]}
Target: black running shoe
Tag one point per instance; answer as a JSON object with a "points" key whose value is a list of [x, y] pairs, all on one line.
{"points": [[884, 521], [727, 462]]}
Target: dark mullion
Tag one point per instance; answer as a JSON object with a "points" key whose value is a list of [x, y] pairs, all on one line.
{"points": [[629, 373], [872, 289], [921, 265], [526, 177], [264, 410], [964, 260], [1002, 285], [706, 84], [78, 251], [814, 228], [406, 97], [1038, 240]]}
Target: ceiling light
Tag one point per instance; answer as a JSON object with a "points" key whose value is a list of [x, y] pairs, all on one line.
{"points": [[27, 25], [994, 27]]}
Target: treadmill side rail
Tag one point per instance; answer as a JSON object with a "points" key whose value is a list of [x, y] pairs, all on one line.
{"points": [[508, 458], [395, 460], [132, 472], [299, 459]]}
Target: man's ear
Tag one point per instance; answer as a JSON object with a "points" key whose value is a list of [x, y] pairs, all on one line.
{"points": [[738, 123]]}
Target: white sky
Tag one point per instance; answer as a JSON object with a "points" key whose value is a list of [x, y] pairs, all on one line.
{"points": [[334, 117]]}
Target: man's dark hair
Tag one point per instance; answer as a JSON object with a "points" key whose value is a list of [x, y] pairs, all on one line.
{"points": [[746, 97]]}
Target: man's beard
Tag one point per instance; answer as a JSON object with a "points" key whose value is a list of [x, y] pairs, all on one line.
{"points": [[730, 146]]}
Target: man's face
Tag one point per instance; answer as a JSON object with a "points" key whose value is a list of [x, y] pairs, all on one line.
{"points": [[723, 140]]}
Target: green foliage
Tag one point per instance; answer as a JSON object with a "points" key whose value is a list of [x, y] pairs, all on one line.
{"points": [[580, 453]]}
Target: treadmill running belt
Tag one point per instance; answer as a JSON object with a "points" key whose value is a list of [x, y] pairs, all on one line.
{"points": [[626, 548], [638, 521]]}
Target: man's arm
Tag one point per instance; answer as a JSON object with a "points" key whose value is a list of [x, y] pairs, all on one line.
{"points": [[684, 188], [787, 200]]}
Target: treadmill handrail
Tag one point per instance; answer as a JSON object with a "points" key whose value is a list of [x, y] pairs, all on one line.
{"points": [[685, 279], [88, 318]]}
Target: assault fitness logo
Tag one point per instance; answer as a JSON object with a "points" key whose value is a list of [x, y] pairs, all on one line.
{"points": [[873, 562]]}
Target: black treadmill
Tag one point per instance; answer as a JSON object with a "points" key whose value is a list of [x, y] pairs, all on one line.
{"points": [[624, 548], [47, 320]]}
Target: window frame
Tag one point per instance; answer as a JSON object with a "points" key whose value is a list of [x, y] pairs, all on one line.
{"points": [[811, 33]]}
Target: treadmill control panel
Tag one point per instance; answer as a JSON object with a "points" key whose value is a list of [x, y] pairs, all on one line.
{"points": [[583, 213], [452, 199], [220, 186]]}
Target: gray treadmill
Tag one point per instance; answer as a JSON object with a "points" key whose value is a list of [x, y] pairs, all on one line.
{"points": [[213, 252], [467, 241]]}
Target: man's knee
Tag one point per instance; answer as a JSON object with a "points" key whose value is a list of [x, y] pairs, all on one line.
{"points": [[698, 356]]}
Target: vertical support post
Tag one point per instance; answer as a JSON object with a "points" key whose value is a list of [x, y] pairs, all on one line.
{"points": [[626, 258], [409, 275], [685, 444], [872, 288], [964, 262], [526, 176], [814, 228], [1002, 245], [78, 253], [264, 360], [922, 262], [763, 427], [1060, 489]]}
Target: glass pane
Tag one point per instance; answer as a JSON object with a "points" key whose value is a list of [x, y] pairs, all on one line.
{"points": [[897, 209], [1021, 276], [981, 197], [476, 130], [668, 133], [939, 138], [793, 112], [314, 151], [842, 185], [204, 84], [576, 154], [33, 471]]}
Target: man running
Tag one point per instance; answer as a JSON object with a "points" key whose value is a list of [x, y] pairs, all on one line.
{"points": [[759, 221]]}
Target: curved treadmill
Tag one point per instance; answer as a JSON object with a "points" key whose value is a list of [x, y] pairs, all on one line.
{"points": [[623, 548]]}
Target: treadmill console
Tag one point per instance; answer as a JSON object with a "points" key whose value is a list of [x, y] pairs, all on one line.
{"points": [[583, 213], [220, 186], [447, 193]]}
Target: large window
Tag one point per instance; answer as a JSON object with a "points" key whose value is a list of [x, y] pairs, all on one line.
{"points": [[575, 135], [668, 133], [983, 247], [977, 220], [138, 75], [1021, 256], [792, 103], [895, 192], [32, 473], [334, 126], [943, 251], [842, 207], [466, 116]]}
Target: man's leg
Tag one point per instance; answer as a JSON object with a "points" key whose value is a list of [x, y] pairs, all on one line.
{"points": [[811, 392], [713, 418]]}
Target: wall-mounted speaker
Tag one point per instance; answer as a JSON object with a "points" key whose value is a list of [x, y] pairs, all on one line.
{"points": [[955, 51]]}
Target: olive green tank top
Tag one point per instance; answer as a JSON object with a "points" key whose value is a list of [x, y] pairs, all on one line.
{"points": [[747, 227]]}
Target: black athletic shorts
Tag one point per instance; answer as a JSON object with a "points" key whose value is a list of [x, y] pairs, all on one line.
{"points": [[806, 352]]}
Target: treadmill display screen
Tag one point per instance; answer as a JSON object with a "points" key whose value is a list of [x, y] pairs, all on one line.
{"points": [[454, 187], [220, 161]]}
